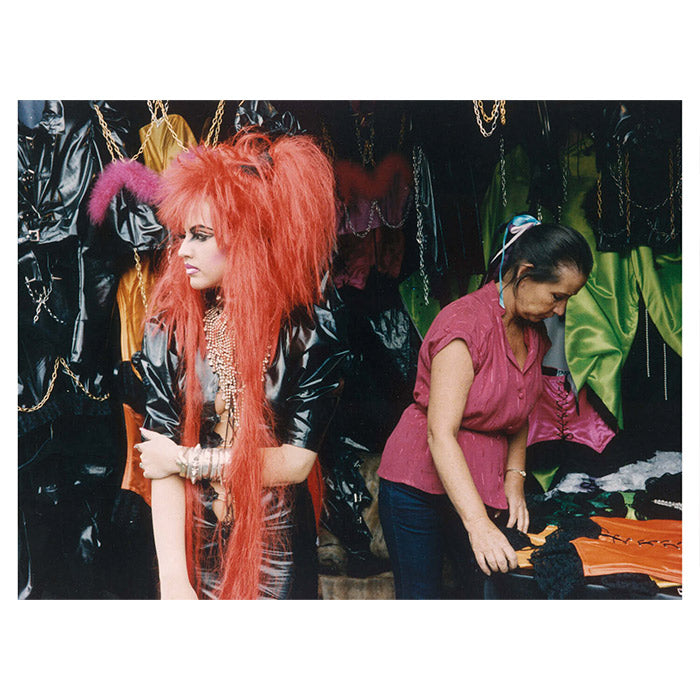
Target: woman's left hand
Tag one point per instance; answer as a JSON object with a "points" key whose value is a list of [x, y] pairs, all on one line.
{"points": [[518, 515], [158, 455]]}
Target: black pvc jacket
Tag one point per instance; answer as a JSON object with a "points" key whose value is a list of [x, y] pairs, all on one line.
{"points": [[303, 382], [69, 269]]}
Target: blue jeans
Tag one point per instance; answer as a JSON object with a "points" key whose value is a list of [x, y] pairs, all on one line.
{"points": [[419, 529]]}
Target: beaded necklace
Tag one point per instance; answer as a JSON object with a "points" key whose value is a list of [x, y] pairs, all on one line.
{"points": [[221, 354]]}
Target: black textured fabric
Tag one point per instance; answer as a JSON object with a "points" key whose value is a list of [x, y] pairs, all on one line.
{"points": [[556, 564]]}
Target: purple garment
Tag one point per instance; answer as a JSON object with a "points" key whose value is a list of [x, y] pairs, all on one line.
{"points": [[499, 402]]}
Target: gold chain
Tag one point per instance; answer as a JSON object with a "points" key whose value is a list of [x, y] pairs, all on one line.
{"points": [[599, 187], [52, 382], [139, 274], [215, 125], [494, 111], [481, 116], [111, 143]]}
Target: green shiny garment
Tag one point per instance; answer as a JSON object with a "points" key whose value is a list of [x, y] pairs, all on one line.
{"points": [[601, 320], [411, 290]]}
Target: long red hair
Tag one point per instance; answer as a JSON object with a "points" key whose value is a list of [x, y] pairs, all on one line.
{"points": [[273, 210]]}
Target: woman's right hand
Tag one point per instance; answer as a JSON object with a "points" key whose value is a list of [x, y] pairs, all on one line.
{"points": [[491, 547]]}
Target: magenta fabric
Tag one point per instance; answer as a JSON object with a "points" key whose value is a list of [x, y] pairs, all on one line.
{"points": [[556, 417], [499, 401]]}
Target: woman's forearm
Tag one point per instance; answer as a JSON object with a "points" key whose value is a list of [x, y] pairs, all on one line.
{"points": [[168, 513], [456, 478], [517, 447]]}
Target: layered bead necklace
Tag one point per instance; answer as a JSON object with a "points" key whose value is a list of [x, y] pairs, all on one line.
{"points": [[221, 354]]}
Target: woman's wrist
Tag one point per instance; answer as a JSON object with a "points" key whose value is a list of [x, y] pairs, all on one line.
{"points": [[477, 521], [516, 471], [197, 463]]}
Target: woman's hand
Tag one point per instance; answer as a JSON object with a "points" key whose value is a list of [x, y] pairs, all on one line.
{"points": [[518, 515], [491, 547], [158, 455]]}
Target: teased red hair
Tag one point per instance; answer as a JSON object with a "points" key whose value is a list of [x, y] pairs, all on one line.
{"points": [[273, 210]]}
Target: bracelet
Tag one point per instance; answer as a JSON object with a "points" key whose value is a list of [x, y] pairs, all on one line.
{"points": [[522, 472], [181, 461], [198, 463]]}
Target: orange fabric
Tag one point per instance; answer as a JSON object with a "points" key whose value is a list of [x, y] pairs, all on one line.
{"points": [[133, 479], [537, 540], [131, 310], [652, 547]]}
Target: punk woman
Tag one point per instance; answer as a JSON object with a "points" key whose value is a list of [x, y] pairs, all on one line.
{"points": [[241, 367]]}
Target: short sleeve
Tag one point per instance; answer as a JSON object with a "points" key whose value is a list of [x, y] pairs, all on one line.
{"points": [[316, 352], [157, 364], [458, 321]]}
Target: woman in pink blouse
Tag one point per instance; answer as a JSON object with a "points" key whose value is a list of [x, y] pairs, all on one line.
{"points": [[455, 464]]}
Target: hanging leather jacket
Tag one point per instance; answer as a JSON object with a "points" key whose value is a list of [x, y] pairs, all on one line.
{"points": [[69, 268]]}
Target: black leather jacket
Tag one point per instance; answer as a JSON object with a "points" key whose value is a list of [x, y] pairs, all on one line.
{"points": [[64, 260], [303, 382]]}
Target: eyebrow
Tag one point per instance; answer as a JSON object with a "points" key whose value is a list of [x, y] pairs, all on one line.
{"points": [[201, 228]]}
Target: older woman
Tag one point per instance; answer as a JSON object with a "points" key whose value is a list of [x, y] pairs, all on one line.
{"points": [[455, 464], [240, 365]]}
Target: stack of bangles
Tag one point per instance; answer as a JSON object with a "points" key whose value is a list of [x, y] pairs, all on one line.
{"points": [[197, 463]]}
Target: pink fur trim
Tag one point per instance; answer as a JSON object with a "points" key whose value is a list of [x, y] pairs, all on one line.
{"points": [[142, 182]]}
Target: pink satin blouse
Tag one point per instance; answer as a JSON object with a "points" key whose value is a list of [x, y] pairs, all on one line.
{"points": [[499, 402]]}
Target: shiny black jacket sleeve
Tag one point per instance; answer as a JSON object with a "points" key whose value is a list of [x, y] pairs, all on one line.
{"points": [[303, 383], [157, 364]]}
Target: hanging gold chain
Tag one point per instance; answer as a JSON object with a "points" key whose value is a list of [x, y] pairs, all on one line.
{"points": [[52, 383], [599, 197], [111, 143], [481, 116], [494, 111], [213, 135], [139, 274], [48, 392]]}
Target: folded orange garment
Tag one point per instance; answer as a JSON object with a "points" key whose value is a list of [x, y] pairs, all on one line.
{"points": [[652, 547]]}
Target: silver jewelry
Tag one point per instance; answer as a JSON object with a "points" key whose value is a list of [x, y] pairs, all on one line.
{"points": [[503, 172], [417, 164]]}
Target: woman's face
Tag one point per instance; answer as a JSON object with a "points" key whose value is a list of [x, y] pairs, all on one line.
{"points": [[204, 263], [535, 301]]}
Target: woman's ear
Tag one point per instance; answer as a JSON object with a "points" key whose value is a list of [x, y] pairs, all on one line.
{"points": [[523, 268]]}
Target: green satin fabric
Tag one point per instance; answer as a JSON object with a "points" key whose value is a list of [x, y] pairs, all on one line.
{"points": [[411, 290], [601, 320]]}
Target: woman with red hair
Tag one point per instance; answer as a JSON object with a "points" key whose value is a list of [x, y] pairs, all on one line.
{"points": [[240, 364]]}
